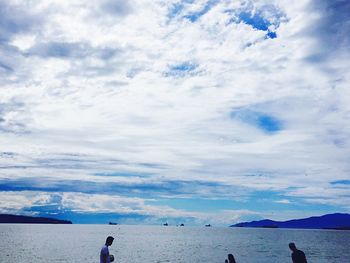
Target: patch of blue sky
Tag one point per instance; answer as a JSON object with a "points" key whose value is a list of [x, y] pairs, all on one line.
{"points": [[46, 209], [175, 9], [198, 205], [263, 121], [269, 200], [259, 201], [257, 21], [186, 66], [89, 217], [271, 35], [181, 69], [193, 17], [341, 182]]}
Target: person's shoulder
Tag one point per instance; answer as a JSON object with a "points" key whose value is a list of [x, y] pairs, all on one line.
{"points": [[104, 249]]}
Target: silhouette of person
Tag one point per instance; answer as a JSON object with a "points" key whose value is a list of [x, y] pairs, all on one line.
{"points": [[104, 254], [298, 256], [231, 259]]}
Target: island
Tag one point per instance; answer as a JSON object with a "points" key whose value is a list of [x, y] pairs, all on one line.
{"points": [[337, 221], [19, 219]]}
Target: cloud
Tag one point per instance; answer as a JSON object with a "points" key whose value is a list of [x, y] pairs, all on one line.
{"points": [[195, 15], [283, 201], [127, 210], [16, 19], [10, 117], [326, 34], [117, 7], [70, 50], [183, 99], [12, 202], [333, 26], [263, 17], [128, 186]]}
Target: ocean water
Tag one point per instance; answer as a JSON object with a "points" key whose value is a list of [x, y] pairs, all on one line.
{"points": [[82, 243]]}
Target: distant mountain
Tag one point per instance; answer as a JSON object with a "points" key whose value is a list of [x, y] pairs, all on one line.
{"points": [[330, 221], [15, 219]]}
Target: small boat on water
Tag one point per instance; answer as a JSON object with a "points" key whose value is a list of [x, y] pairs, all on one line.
{"points": [[166, 224], [112, 223], [208, 225], [182, 225]]}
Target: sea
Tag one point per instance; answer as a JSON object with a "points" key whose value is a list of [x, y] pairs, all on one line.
{"points": [[26, 243]]}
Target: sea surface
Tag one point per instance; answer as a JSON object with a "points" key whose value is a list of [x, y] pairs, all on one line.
{"points": [[82, 243]]}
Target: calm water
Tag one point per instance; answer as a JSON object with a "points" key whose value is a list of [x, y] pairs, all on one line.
{"points": [[81, 243]]}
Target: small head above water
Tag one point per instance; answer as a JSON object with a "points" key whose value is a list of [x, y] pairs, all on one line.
{"points": [[109, 240], [292, 246], [231, 258]]}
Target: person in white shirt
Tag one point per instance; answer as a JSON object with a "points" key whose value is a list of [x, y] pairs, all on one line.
{"points": [[104, 254]]}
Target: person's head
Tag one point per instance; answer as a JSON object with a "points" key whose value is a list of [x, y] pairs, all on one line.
{"points": [[231, 258], [292, 246], [109, 240]]}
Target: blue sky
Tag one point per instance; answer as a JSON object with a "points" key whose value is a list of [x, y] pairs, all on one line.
{"points": [[194, 112]]}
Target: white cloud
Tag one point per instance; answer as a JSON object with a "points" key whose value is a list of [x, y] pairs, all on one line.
{"points": [[15, 201], [98, 90], [283, 201], [113, 204]]}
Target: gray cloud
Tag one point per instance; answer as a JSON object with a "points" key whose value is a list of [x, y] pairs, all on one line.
{"points": [[12, 117], [11, 60], [68, 50], [151, 188], [5, 68], [15, 19], [332, 29], [119, 8]]}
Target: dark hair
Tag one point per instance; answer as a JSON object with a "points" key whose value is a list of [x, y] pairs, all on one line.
{"points": [[292, 245], [109, 240], [231, 258]]}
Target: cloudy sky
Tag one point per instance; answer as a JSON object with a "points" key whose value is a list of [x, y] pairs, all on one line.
{"points": [[185, 111]]}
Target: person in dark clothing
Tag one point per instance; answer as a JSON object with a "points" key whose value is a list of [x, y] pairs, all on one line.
{"points": [[105, 257], [298, 256]]}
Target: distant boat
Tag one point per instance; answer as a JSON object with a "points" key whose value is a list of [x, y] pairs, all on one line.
{"points": [[182, 225], [208, 225], [166, 224], [112, 223]]}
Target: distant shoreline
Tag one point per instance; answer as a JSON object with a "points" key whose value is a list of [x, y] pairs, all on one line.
{"points": [[19, 219], [335, 221]]}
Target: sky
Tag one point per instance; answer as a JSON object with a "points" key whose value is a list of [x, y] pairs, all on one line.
{"points": [[178, 111]]}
